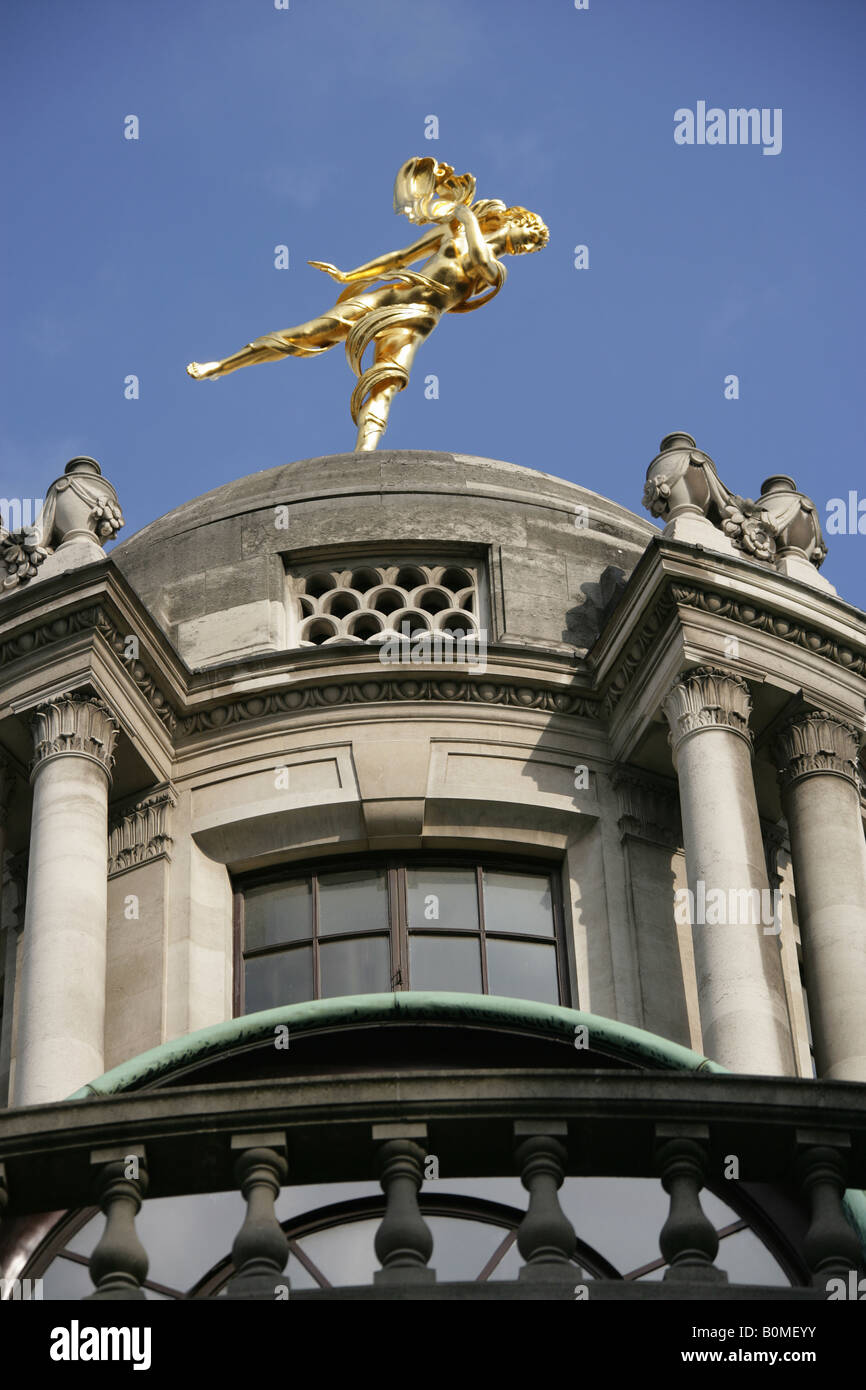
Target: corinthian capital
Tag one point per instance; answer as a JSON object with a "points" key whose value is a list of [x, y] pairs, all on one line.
{"points": [[816, 742], [708, 697], [74, 724]]}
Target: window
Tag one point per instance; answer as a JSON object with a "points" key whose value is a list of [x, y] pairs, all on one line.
{"points": [[474, 928]]}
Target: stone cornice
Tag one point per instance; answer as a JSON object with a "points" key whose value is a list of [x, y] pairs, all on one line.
{"points": [[93, 618], [145, 682], [622, 650], [277, 682], [773, 622], [478, 690], [669, 580], [817, 742], [641, 643], [708, 697], [75, 725], [140, 833]]}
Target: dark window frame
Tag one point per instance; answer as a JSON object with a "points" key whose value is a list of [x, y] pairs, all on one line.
{"points": [[394, 867]]}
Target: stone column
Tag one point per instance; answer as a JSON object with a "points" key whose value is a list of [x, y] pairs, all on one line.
{"points": [[744, 1018], [816, 754], [8, 940], [62, 1014]]}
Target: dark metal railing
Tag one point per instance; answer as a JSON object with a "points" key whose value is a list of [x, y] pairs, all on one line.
{"points": [[804, 1141]]}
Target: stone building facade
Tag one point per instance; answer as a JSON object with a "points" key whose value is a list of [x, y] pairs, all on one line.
{"points": [[256, 755]]}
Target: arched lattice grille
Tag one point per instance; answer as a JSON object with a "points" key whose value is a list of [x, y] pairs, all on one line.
{"points": [[368, 602]]}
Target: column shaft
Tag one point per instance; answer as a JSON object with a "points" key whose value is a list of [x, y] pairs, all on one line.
{"points": [[744, 1016], [817, 755], [62, 1014]]}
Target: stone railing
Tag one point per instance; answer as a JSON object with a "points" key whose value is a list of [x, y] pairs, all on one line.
{"points": [[799, 1142]]}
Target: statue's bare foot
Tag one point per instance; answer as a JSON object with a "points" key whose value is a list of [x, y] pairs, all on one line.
{"points": [[202, 369]]}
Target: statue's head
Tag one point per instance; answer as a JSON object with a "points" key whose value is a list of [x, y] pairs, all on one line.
{"points": [[425, 189], [516, 230]]}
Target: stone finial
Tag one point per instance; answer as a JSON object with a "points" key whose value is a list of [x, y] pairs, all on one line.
{"points": [[816, 742], [73, 724], [781, 529], [81, 511], [85, 505], [706, 697], [677, 482], [800, 549]]}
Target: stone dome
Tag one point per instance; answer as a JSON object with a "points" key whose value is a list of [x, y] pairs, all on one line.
{"points": [[217, 565]]}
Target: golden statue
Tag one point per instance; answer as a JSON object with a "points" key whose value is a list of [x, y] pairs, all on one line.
{"points": [[394, 308]]}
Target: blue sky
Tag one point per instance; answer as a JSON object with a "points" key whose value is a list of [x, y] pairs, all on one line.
{"points": [[261, 127]]}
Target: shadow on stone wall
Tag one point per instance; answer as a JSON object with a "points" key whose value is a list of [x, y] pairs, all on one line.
{"points": [[585, 621]]}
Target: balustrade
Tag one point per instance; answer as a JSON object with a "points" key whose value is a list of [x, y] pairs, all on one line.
{"points": [[803, 1141]]}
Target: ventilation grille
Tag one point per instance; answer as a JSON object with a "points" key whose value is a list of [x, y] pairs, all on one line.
{"points": [[367, 603]]}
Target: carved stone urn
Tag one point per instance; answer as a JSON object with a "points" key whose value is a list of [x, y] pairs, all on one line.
{"points": [[794, 518], [81, 511], [684, 489], [85, 505], [676, 482]]}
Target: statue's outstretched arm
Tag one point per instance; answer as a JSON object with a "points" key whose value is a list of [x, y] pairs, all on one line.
{"points": [[392, 260]]}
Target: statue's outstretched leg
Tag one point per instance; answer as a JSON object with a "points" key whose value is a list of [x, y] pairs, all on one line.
{"points": [[305, 340]]}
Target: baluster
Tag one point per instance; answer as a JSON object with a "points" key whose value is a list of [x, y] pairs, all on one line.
{"points": [[831, 1246], [688, 1239], [119, 1261], [404, 1241], [260, 1249], [546, 1238]]}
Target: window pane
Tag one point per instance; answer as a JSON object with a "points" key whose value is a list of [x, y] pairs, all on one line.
{"points": [[355, 967], [64, 1280], [284, 978], [462, 1246], [345, 1254], [518, 902], [278, 912], [353, 902], [522, 970], [448, 897], [748, 1261], [445, 962]]}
